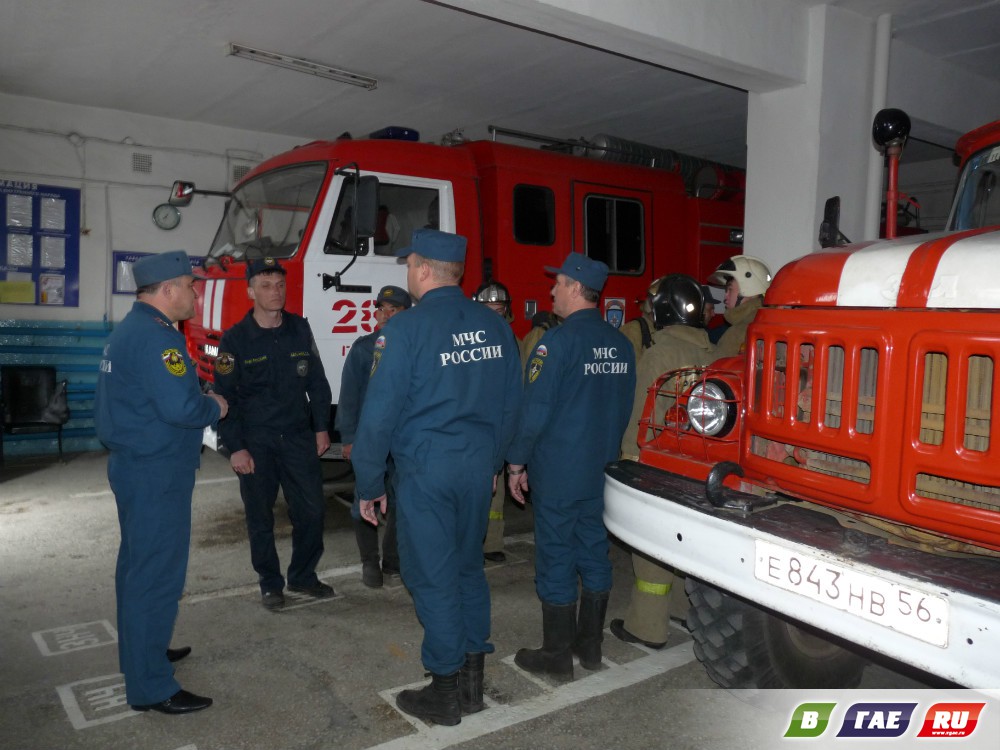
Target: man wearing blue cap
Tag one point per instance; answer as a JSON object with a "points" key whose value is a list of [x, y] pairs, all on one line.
{"points": [[270, 371], [443, 399], [353, 386], [150, 413], [578, 391]]}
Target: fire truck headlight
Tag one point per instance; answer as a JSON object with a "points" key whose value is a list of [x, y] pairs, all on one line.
{"points": [[711, 408]]}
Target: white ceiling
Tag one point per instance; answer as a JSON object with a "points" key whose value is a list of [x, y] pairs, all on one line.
{"points": [[438, 69]]}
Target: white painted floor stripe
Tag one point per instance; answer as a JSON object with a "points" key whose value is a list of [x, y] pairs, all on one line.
{"points": [[587, 685]]}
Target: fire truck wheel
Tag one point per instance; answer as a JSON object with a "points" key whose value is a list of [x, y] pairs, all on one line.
{"points": [[744, 646]]}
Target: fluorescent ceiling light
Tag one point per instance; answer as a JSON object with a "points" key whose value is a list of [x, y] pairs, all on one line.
{"points": [[303, 66]]}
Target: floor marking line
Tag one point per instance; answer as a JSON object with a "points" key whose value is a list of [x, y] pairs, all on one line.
{"points": [[592, 685]]}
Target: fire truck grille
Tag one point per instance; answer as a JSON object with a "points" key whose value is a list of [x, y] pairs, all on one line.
{"points": [[960, 493], [813, 460]]}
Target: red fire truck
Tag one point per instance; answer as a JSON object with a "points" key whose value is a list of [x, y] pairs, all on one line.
{"points": [[334, 212], [834, 494]]}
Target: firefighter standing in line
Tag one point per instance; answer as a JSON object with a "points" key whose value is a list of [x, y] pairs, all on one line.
{"points": [[746, 279], [443, 399], [150, 413], [639, 331], [271, 373], [578, 393], [353, 385], [495, 296], [680, 341]]}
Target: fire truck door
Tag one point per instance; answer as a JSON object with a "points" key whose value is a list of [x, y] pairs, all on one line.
{"points": [[340, 316]]}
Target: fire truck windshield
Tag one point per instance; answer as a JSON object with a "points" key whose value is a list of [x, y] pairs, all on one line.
{"points": [[267, 215], [977, 201]]}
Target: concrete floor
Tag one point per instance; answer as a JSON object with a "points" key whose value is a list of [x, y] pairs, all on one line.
{"points": [[316, 674]]}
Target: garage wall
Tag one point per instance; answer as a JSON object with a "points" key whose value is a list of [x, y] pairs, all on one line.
{"points": [[124, 165]]}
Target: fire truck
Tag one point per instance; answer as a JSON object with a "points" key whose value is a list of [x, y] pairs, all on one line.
{"points": [[334, 213], [833, 495]]}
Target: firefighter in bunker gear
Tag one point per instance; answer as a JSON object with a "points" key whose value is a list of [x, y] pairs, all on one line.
{"points": [[680, 341], [746, 279], [495, 296]]}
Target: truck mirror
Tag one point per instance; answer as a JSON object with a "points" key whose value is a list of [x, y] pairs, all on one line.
{"points": [[829, 229], [181, 193], [367, 206]]}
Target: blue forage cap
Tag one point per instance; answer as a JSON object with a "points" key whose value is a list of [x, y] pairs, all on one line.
{"points": [[151, 269], [263, 265], [436, 245], [394, 295], [589, 272]]}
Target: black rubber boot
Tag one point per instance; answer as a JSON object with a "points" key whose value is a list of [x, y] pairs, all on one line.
{"points": [[555, 657], [470, 684], [590, 628], [436, 703]]}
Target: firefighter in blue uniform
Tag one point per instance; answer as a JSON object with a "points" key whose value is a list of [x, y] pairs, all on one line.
{"points": [[269, 370], [579, 383], [150, 413], [443, 399], [390, 301]]}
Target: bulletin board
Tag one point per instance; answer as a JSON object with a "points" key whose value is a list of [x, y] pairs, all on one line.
{"points": [[39, 244]]}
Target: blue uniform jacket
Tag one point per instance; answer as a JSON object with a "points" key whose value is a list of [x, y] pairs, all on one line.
{"points": [[353, 385], [265, 374], [148, 402], [422, 404], [578, 389]]}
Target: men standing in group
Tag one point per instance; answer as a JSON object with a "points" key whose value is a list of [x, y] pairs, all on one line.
{"points": [[746, 279], [578, 393], [680, 341], [150, 413], [353, 386], [443, 399], [269, 370]]}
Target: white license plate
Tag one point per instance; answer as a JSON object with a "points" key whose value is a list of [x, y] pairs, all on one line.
{"points": [[900, 607]]}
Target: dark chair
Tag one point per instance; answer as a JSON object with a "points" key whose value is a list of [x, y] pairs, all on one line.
{"points": [[31, 401]]}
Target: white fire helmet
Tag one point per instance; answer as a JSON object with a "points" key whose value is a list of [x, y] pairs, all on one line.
{"points": [[752, 274]]}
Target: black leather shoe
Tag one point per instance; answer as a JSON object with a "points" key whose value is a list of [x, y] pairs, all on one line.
{"points": [[176, 654], [497, 557], [618, 631], [319, 590], [272, 599], [181, 702]]}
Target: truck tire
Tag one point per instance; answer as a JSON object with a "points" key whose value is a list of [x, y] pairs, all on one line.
{"points": [[744, 646]]}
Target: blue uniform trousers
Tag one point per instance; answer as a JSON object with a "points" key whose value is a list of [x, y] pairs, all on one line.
{"points": [[443, 508], [291, 462], [367, 535], [571, 545], [154, 512]]}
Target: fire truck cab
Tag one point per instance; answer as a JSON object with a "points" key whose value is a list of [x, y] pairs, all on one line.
{"points": [[520, 209], [834, 493]]}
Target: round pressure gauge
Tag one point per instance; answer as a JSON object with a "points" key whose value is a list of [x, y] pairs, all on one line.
{"points": [[166, 216]]}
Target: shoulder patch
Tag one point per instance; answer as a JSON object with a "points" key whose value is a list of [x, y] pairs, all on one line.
{"points": [[535, 369], [225, 363], [173, 360]]}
